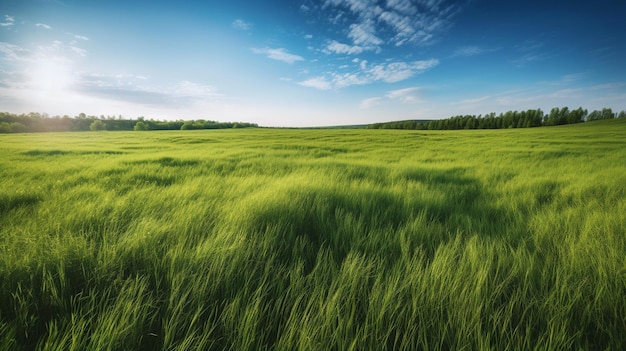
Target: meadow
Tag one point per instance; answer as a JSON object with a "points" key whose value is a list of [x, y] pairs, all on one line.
{"points": [[272, 239]]}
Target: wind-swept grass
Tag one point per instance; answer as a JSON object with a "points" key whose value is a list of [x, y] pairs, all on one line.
{"points": [[314, 239]]}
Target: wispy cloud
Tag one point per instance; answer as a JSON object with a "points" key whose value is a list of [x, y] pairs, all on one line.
{"points": [[56, 49], [529, 51], [608, 86], [341, 48], [136, 89], [402, 6], [405, 96], [317, 82], [398, 71], [14, 52], [386, 72], [364, 33], [370, 102], [472, 100], [78, 51], [526, 59], [392, 22], [472, 50], [529, 45], [76, 36], [241, 24], [43, 25], [280, 54], [8, 21]]}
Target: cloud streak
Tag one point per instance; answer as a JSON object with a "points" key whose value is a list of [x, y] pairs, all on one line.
{"points": [[319, 83], [133, 89], [341, 48], [472, 50], [280, 54], [385, 72], [8, 21], [241, 24], [405, 96]]}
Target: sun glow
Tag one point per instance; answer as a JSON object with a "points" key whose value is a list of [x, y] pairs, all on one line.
{"points": [[51, 78]]}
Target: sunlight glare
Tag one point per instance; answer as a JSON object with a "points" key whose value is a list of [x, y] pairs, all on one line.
{"points": [[51, 78]]}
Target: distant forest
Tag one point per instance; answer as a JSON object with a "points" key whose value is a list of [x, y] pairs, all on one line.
{"points": [[510, 119], [35, 122]]}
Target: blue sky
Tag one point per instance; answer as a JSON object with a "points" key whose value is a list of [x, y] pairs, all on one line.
{"points": [[309, 63]]}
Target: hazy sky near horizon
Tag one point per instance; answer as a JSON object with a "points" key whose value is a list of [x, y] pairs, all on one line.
{"points": [[310, 63]]}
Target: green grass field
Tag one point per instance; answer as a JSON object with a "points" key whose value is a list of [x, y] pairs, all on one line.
{"points": [[264, 239]]}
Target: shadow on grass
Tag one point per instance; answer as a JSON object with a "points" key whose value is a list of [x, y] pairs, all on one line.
{"points": [[17, 201], [381, 221]]}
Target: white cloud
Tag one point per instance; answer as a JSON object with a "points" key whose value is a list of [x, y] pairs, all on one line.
{"points": [[340, 48], [278, 54], [79, 51], [308, 36], [194, 90], [472, 50], [472, 101], [403, 25], [406, 95], [8, 21], [76, 36], [366, 74], [318, 83], [241, 24], [55, 50], [348, 79], [402, 6], [14, 52], [364, 34], [398, 71], [369, 103], [356, 6], [43, 25]]}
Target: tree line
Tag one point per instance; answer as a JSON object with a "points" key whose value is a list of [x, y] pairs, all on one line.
{"points": [[36, 122], [510, 119]]}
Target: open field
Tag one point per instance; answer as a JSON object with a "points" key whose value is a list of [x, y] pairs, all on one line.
{"points": [[314, 239]]}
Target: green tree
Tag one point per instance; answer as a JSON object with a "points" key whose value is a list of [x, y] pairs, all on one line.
{"points": [[607, 113], [594, 116], [140, 126], [97, 125], [187, 125], [576, 116]]}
